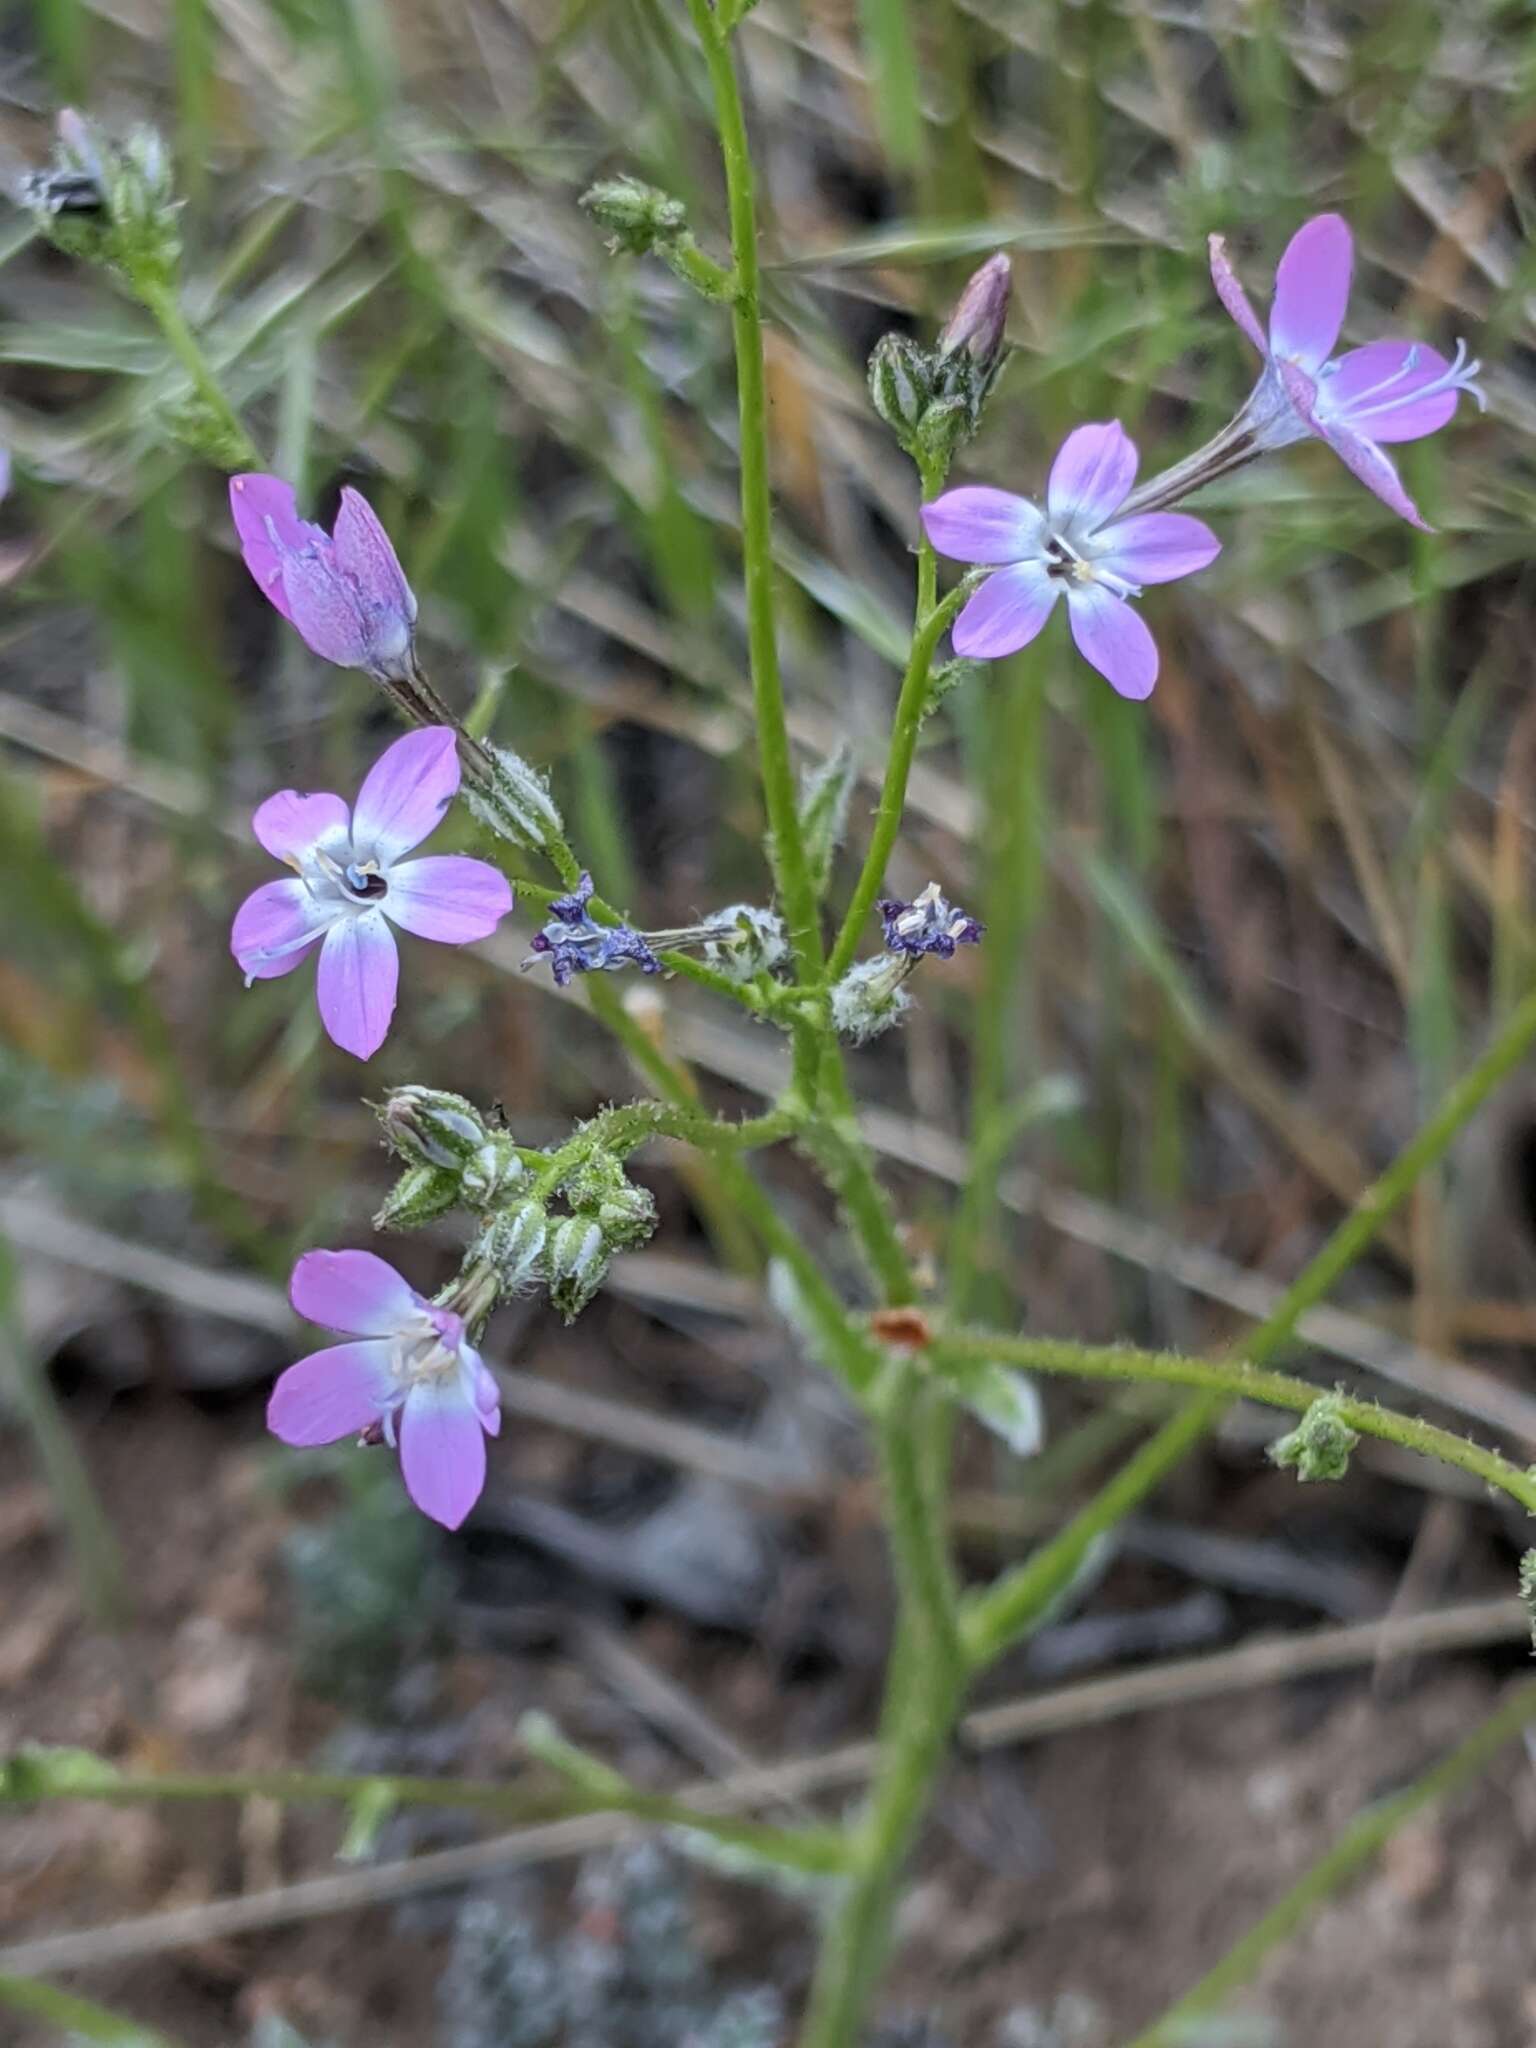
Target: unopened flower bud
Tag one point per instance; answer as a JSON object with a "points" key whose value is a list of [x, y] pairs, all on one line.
{"points": [[636, 215], [1320, 1444], [513, 799], [490, 1173], [600, 1189], [513, 1241], [870, 998], [901, 385], [432, 1128], [110, 202], [419, 1196], [575, 1260], [976, 327]]}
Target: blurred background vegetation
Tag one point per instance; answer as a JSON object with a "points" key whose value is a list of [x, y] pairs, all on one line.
{"points": [[1237, 940]]}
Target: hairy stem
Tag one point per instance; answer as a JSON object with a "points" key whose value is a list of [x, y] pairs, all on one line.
{"points": [[161, 303], [791, 871], [1015, 1604]]}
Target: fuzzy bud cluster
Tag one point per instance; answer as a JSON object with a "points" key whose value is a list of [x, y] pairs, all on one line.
{"points": [[453, 1158], [1320, 1444], [512, 798], [110, 202], [932, 399]]}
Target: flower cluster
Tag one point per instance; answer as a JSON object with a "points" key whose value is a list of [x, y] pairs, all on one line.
{"points": [[870, 998], [1099, 539], [929, 924]]}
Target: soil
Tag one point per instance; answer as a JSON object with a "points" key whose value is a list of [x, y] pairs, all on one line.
{"points": [[1092, 1877]]}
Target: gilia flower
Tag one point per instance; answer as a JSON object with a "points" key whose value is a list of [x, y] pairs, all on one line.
{"points": [[1386, 391], [407, 1373], [576, 944], [351, 884], [344, 591], [1075, 548]]}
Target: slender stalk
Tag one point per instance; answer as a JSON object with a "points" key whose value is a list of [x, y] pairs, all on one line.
{"points": [[1017, 1601], [791, 871], [82, 2017], [162, 304], [933, 623], [1365, 1836], [816, 1850]]}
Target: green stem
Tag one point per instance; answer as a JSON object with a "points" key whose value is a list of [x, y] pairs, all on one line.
{"points": [[933, 623], [1016, 1602], [811, 1849], [160, 301], [1361, 1840], [925, 1689], [792, 875]]}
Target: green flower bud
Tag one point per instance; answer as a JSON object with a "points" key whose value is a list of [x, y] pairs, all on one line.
{"points": [[1320, 1444], [901, 378], [600, 1190], [109, 202], [576, 1258], [513, 1241], [490, 1173], [420, 1195], [513, 800], [430, 1127], [637, 216]]}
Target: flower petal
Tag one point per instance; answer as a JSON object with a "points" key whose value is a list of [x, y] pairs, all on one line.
{"points": [[978, 524], [448, 897], [274, 928], [1091, 476], [1372, 389], [1232, 295], [1006, 613], [364, 551], [1114, 637], [1157, 547], [1312, 291], [324, 607], [291, 826], [359, 973], [442, 1451], [406, 792], [1358, 454], [254, 500], [356, 1293], [331, 1394], [487, 1394]]}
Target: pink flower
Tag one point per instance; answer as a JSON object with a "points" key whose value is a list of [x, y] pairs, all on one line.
{"points": [[407, 1359], [351, 884], [1076, 549], [344, 591], [1386, 391]]}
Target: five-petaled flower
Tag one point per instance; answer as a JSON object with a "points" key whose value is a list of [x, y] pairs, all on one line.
{"points": [[407, 1371], [928, 924], [1385, 391], [576, 944], [350, 882], [1075, 548], [344, 591]]}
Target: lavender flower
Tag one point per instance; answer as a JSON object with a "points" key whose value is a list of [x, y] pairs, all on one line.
{"points": [[408, 1369], [344, 591], [577, 945], [1386, 391], [351, 883], [5, 471], [929, 924], [1075, 548]]}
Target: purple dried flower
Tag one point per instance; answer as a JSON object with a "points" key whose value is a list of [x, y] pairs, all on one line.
{"points": [[408, 1369], [929, 924], [576, 944], [1386, 391], [1075, 548], [351, 884], [344, 591]]}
